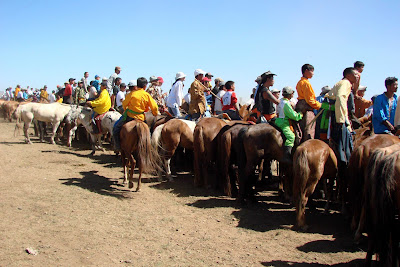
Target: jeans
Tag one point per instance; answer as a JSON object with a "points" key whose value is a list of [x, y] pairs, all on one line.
{"points": [[174, 111], [117, 129]]}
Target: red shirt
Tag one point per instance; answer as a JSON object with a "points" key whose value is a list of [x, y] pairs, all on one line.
{"points": [[229, 100], [68, 90]]}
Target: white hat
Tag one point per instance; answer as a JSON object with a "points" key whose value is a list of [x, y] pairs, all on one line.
{"points": [[362, 88], [275, 90], [287, 90], [198, 72], [132, 83], [179, 75], [105, 79]]}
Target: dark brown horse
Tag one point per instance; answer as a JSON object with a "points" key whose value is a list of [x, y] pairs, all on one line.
{"points": [[256, 142], [313, 160], [154, 121], [382, 205], [358, 164], [228, 142], [136, 147]]}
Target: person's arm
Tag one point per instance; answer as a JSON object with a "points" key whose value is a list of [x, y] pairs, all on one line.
{"points": [[126, 100], [153, 105], [268, 95], [100, 100], [290, 113], [309, 97], [342, 96], [179, 95]]}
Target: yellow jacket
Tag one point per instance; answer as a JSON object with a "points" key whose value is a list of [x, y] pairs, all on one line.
{"points": [[139, 101], [17, 89], [103, 103]]}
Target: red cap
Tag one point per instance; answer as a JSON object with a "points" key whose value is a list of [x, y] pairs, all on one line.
{"points": [[205, 79], [160, 79]]}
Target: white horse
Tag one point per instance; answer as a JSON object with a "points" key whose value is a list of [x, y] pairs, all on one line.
{"points": [[83, 115], [53, 113]]}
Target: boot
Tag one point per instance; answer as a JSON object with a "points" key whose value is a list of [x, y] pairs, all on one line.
{"points": [[94, 127], [287, 155]]}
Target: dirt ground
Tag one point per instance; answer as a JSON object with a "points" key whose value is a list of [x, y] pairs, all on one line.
{"points": [[73, 211]]}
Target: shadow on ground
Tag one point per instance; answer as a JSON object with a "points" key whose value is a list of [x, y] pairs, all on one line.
{"points": [[357, 262]]}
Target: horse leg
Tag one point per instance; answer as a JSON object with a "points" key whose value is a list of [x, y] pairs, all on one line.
{"points": [[100, 143], [70, 135], [133, 163], [358, 234], [55, 127], [125, 165], [93, 141], [167, 163], [26, 127], [41, 131]]}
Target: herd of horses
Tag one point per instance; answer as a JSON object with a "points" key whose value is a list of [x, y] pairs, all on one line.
{"points": [[232, 156]]}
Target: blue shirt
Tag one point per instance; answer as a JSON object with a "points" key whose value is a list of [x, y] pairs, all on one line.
{"points": [[96, 85], [382, 113]]}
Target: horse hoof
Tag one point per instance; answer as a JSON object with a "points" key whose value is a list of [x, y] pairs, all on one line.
{"points": [[130, 185], [137, 189], [91, 154]]}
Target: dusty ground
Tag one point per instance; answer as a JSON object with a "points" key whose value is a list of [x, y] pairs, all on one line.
{"points": [[73, 211]]}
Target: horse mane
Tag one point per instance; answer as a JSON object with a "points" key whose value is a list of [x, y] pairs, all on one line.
{"points": [[380, 205]]}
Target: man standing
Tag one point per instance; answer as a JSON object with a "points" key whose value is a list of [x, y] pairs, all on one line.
{"points": [[8, 95], [307, 102], [360, 102], [197, 105], [121, 96], [359, 66], [85, 81], [67, 97], [111, 80], [384, 113], [115, 90], [44, 96], [80, 94], [52, 97]]}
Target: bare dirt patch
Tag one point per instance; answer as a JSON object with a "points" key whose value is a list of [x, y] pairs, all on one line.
{"points": [[73, 211]]}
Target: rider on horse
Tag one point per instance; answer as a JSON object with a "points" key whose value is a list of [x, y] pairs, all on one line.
{"points": [[100, 106], [136, 103]]}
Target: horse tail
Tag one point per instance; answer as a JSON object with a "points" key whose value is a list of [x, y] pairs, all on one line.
{"points": [[198, 149], [301, 172], [242, 160], [148, 159], [17, 116], [224, 161], [381, 207], [156, 137]]}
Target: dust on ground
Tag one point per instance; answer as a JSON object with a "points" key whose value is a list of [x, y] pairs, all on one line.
{"points": [[73, 210]]}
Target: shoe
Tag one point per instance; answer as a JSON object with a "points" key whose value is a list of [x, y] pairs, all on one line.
{"points": [[287, 155]]}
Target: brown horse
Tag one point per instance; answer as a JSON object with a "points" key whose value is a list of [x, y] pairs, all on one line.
{"points": [[313, 160], [358, 164], [154, 121], [227, 156], [256, 142], [382, 205], [205, 147], [136, 147], [169, 136]]}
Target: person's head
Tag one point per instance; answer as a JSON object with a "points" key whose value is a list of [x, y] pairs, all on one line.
{"points": [[18, 86], [391, 84], [160, 81], [118, 81], [180, 76], [307, 70], [267, 79], [287, 92], [103, 85], [142, 82], [80, 83], [86, 74], [122, 87], [217, 81], [361, 90], [359, 66], [209, 75], [199, 74], [117, 70], [221, 86], [351, 74], [53, 92], [97, 77], [230, 85], [66, 83], [132, 85], [153, 80], [71, 80], [275, 92]]}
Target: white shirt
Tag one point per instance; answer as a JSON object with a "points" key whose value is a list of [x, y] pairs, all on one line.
{"points": [[279, 108], [111, 82], [92, 92], [20, 94], [218, 104], [8, 95], [120, 98], [187, 98], [176, 95], [52, 98]]}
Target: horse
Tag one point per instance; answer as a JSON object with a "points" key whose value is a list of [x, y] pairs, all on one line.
{"points": [[53, 113], [382, 205], [355, 177], [83, 115], [154, 121], [227, 156], [255, 143], [205, 147], [136, 147], [9, 108], [168, 136], [313, 160]]}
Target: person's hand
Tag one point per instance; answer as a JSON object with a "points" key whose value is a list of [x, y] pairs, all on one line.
{"points": [[89, 103]]}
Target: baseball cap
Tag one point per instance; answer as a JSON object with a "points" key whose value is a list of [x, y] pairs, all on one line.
{"points": [[274, 90], [160, 79], [132, 83], [206, 79], [153, 79], [287, 90], [96, 76]]}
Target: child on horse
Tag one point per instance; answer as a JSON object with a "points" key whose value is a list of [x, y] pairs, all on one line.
{"points": [[283, 121], [229, 101], [100, 106], [136, 103]]}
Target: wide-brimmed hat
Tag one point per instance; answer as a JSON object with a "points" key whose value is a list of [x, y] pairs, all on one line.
{"points": [[274, 90], [218, 79], [198, 72], [180, 75], [325, 89]]}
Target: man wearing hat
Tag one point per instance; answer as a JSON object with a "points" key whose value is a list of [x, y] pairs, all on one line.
{"points": [[175, 97], [215, 90], [67, 97], [8, 95], [44, 96], [121, 96], [197, 105], [96, 83], [80, 94], [360, 102], [285, 114], [100, 106]]}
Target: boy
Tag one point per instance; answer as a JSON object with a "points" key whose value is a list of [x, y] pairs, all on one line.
{"points": [[283, 121], [230, 105]]}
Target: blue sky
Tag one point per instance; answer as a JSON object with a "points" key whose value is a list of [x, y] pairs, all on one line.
{"points": [[47, 42]]}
